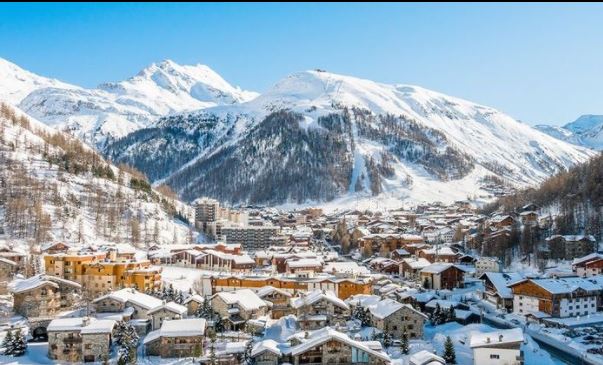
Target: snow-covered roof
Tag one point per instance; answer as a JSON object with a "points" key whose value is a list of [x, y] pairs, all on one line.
{"points": [[501, 280], [387, 307], [318, 295], [8, 262], [172, 307], [133, 296], [425, 357], [444, 304], [194, 298], [496, 338], [268, 289], [347, 267], [438, 268], [266, 345], [563, 285], [245, 298], [99, 326], [304, 263], [587, 258], [23, 285], [81, 324], [183, 327], [328, 334], [417, 264]]}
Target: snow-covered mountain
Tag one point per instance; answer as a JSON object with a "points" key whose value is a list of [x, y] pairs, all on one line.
{"points": [[113, 110], [53, 187], [317, 136], [585, 131]]}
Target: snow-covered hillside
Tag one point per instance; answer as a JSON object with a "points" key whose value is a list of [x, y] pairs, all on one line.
{"points": [[116, 109], [16, 83], [585, 131], [53, 187], [319, 136]]}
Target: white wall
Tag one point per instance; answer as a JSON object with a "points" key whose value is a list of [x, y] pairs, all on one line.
{"points": [[482, 356]]}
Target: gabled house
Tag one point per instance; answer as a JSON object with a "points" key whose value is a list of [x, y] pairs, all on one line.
{"points": [[442, 276], [237, 307], [177, 338], [496, 289], [589, 265], [80, 339], [397, 319], [279, 298], [43, 295], [166, 311], [320, 308]]}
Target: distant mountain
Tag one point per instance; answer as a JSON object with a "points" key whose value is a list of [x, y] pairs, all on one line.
{"points": [[585, 131], [318, 136], [113, 110]]}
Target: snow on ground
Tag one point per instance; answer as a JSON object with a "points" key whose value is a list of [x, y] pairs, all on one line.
{"points": [[182, 278]]}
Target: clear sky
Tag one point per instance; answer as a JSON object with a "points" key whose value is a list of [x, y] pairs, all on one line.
{"points": [[537, 62]]}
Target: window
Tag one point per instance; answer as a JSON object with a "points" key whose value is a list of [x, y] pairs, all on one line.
{"points": [[494, 356]]}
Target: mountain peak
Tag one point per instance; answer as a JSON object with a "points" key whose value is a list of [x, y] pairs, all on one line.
{"points": [[585, 122]]}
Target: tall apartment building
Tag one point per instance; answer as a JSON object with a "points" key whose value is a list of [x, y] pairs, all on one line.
{"points": [[206, 210], [251, 238]]}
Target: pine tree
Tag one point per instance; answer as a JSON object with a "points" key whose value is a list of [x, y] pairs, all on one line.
{"points": [[404, 343], [449, 354], [127, 340], [20, 344], [8, 343], [247, 359]]}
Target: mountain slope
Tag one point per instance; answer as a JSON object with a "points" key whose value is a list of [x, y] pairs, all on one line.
{"points": [[56, 188], [16, 83], [116, 109], [573, 197], [318, 136], [585, 131]]}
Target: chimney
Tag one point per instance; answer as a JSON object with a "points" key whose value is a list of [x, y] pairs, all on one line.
{"points": [[85, 321], [487, 339], [500, 337]]}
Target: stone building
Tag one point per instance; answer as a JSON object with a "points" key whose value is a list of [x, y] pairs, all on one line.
{"points": [[177, 338], [239, 306], [80, 339], [279, 298], [43, 295], [397, 319], [320, 308], [8, 268], [167, 311]]}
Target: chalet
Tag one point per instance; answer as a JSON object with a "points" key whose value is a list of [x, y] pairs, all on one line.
{"points": [[12, 255], [328, 346], [397, 319], [55, 247], [80, 339], [303, 267], [414, 248], [442, 276], [498, 347], [167, 311], [137, 305], [496, 290], [399, 254], [570, 247], [239, 306], [566, 297], [502, 221], [279, 298], [193, 303], [177, 338], [439, 254], [411, 267], [387, 242], [220, 261], [589, 265], [319, 308], [43, 295]]}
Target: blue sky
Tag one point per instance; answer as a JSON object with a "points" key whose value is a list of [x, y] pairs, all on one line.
{"points": [[537, 62]]}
